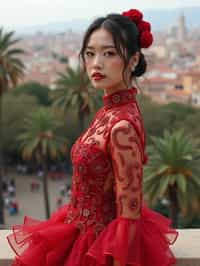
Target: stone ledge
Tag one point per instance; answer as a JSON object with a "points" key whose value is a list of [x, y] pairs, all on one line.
{"points": [[186, 248]]}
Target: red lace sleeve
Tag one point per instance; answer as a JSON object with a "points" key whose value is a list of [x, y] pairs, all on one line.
{"points": [[126, 156], [127, 164]]}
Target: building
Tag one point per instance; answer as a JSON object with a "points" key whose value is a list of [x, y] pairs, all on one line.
{"points": [[182, 32]]}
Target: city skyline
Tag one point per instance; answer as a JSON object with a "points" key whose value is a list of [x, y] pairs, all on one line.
{"points": [[35, 12]]}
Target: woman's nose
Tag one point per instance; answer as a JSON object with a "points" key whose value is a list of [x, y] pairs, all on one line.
{"points": [[98, 61]]}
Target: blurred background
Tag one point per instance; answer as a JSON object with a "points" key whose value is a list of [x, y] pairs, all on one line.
{"points": [[44, 106]]}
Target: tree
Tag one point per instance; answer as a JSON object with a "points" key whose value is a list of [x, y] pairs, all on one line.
{"points": [[11, 70], [175, 113], [74, 90], [40, 141], [153, 117], [41, 92], [173, 172], [13, 121], [157, 117], [191, 124]]}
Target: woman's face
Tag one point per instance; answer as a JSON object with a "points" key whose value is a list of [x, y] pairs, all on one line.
{"points": [[103, 64]]}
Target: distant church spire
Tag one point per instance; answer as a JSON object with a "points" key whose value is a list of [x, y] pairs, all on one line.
{"points": [[182, 32]]}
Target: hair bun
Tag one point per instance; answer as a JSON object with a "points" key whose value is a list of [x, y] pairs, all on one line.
{"points": [[141, 66]]}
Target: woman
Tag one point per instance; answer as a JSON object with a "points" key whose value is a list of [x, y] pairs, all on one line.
{"points": [[106, 222]]}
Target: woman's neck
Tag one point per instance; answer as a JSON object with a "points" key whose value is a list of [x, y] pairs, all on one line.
{"points": [[109, 91]]}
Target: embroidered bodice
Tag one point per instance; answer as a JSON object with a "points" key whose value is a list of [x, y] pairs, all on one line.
{"points": [[108, 163]]}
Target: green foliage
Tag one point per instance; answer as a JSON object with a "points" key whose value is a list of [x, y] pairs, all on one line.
{"points": [[13, 118], [11, 67], [190, 124], [189, 221], [174, 161], [74, 90], [40, 137], [178, 111], [152, 115], [11, 71], [159, 117], [63, 59], [33, 88]]}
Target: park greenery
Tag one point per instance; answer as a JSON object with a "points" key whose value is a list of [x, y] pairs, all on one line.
{"points": [[39, 125], [11, 70]]}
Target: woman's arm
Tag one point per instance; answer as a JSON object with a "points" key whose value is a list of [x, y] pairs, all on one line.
{"points": [[126, 154]]}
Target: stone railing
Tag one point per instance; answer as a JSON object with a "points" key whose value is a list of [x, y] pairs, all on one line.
{"points": [[186, 248]]}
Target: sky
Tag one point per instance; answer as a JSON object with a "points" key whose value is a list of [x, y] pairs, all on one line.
{"points": [[23, 13]]}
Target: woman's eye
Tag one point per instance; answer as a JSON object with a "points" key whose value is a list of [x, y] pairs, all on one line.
{"points": [[109, 53], [89, 54]]}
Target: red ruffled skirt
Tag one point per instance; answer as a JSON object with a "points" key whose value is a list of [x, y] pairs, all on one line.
{"points": [[142, 242]]}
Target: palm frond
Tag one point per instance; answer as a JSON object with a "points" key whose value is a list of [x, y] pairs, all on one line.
{"points": [[174, 160]]}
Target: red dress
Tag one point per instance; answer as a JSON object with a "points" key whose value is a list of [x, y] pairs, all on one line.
{"points": [[107, 217]]}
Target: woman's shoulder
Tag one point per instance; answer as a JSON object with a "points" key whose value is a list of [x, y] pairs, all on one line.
{"points": [[129, 112], [129, 115]]}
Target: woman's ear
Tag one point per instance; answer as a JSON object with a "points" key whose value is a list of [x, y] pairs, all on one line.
{"points": [[134, 60]]}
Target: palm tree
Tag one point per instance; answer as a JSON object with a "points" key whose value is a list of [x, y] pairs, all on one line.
{"points": [[11, 70], [173, 172], [74, 90], [40, 141]]}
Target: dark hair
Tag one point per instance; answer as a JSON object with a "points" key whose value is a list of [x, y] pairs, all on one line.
{"points": [[125, 36]]}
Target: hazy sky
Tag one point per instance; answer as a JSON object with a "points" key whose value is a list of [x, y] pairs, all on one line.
{"points": [[22, 13]]}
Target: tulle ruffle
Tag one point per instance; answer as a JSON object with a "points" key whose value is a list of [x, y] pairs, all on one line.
{"points": [[140, 242], [40, 243]]}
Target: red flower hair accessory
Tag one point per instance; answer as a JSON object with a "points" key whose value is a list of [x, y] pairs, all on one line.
{"points": [[144, 27], [134, 14]]}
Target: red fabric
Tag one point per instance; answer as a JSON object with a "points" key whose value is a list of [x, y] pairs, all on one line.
{"points": [[137, 242], [106, 218], [54, 243]]}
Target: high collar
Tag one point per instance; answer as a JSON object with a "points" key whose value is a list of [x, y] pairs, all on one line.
{"points": [[120, 97]]}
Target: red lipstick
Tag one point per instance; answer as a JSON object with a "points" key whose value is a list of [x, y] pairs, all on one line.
{"points": [[98, 76]]}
